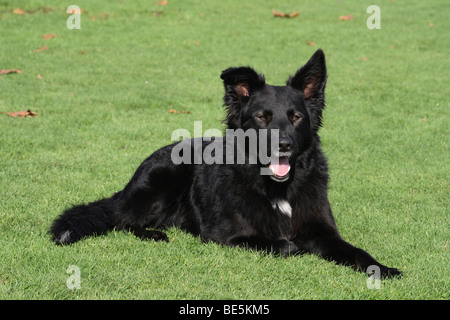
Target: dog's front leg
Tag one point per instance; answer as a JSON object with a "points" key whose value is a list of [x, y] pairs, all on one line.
{"points": [[336, 249]]}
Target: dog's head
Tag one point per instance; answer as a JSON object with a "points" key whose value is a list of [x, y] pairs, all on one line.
{"points": [[294, 111]]}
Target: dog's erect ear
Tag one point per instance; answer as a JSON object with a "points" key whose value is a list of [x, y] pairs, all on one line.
{"points": [[312, 77], [311, 80], [240, 83]]}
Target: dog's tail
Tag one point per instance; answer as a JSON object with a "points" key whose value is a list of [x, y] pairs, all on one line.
{"points": [[80, 221]]}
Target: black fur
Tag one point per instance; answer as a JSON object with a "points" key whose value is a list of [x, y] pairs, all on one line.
{"points": [[233, 204]]}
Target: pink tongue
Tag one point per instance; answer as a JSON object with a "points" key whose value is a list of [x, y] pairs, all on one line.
{"points": [[281, 168]]}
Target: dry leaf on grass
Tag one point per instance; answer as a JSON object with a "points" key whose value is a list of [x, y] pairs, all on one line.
{"points": [[180, 111], [363, 58], [345, 18], [8, 71], [46, 9], [163, 3], [78, 11], [49, 36], [310, 43], [41, 49], [157, 13], [284, 15], [19, 11], [22, 114]]}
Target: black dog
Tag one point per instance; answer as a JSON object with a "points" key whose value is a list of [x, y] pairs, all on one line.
{"points": [[285, 212]]}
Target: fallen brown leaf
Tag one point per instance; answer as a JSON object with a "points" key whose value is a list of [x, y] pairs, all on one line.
{"points": [[310, 43], [46, 9], [41, 49], [78, 11], [347, 17], [163, 3], [8, 71], [22, 114], [284, 15], [363, 58], [39, 76], [19, 11], [49, 36], [180, 111], [157, 13]]}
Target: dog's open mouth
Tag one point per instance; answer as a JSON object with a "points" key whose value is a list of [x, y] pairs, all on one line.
{"points": [[280, 168]]}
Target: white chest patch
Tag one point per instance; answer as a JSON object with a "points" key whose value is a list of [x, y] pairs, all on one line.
{"points": [[283, 206]]}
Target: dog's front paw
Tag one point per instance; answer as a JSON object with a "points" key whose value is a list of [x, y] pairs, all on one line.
{"points": [[383, 272], [387, 272], [65, 237], [155, 235]]}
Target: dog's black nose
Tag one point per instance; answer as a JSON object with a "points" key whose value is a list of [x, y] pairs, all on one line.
{"points": [[285, 144]]}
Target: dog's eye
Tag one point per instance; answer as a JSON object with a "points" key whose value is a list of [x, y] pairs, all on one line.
{"points": [[297, 118], [263, 117]]}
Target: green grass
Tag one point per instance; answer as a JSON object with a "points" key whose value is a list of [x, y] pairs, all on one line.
{"points": [[103, 104]]}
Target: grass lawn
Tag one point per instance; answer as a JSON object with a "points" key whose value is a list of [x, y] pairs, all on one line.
{"points": [[103, 97]]}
